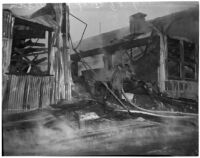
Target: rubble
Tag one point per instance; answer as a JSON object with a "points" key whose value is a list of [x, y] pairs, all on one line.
{"points": [[138, 101]]}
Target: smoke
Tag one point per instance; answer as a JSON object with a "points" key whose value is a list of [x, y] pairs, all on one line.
{"points": [[108, 136]]}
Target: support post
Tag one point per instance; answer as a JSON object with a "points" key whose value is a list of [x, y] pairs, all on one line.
{"points": [[162, 69], [66, 53], [49, 49]]}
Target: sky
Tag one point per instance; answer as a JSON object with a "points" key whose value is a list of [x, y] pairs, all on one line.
{"points": [[104, 17]]}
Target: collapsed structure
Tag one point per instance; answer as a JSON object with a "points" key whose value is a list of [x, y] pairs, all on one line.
{"points": [[162, 52], [36, 60]]}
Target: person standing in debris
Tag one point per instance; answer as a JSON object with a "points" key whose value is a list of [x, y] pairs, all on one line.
{"points": [[121, 71], [117, 80]]}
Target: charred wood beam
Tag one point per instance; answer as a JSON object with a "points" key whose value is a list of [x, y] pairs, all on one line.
{"points": [[33, 54], [20, 21], [30, 43], [111, 48], [21, 54], [36, 62], [23, 58], [29, 51], [26, 34], [49, 48]]}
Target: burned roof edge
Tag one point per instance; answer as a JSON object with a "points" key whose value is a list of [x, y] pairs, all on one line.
{"points": [[44, 21]]}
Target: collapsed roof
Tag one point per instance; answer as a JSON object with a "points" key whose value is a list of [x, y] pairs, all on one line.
{"points": [[41, 18], [184, 24]]}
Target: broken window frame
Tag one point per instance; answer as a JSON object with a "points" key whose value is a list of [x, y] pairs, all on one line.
{"points": [[181, 61], [47, 36]]}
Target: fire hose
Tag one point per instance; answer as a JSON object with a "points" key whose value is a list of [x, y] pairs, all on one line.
{"points": [[146, 111], [158, 113]]}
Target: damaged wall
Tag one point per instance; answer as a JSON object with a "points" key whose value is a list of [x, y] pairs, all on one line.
{"points": [[152, 66], [39, 90], [146, 67], [182, 89], [8, 22]]}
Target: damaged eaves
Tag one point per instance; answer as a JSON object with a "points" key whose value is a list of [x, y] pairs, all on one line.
{"points": [[44, 22], [32, 29], [168, 25], [123, 43], [183, 25]]}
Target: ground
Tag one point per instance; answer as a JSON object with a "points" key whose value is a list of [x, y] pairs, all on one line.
{"points": [[58, 132]]}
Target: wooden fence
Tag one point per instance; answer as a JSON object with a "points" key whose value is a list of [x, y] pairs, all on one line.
{"points": [[24, 93]]}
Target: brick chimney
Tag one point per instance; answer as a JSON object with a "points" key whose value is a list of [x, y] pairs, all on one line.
{"points": [[137, 23]]}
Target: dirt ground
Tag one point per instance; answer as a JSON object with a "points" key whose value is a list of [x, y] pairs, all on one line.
{"points": [[111, 134]]}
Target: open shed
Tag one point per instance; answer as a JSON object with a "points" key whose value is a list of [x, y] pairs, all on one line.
{"points": [[33, 58]]}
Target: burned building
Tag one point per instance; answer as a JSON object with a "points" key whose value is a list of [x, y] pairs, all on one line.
{"points": [[162, 51], [130, 91], [36, 58]]}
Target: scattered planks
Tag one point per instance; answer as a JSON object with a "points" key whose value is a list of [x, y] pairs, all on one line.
{"points": [[29, 50]]}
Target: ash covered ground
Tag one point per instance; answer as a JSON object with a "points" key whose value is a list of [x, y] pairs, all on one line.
{"points": [[58, 132]]}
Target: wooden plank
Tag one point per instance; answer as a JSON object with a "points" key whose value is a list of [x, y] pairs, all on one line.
{"points": [[46, 90], [21, 87], [11, 100], [6, 56], [28, 79], [12, 27], [36, 62], [31, 50], [16, 104], [6, 90], [7, 24], [25, 80], [36, 88], [182, 74], [49, 49], [34, 54], [41, 94], [52, 90], [30, 100], [45, 100], [4, 24]]}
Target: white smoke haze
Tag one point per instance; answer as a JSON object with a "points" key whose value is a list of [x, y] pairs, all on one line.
{"points": [[107, 137]]}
